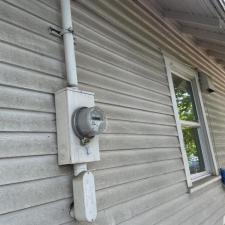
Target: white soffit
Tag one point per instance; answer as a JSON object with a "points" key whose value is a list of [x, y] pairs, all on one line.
{"points": [[203, 20]]}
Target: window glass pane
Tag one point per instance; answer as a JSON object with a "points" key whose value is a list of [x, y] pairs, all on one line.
{"points": [[185, 99], [193, 149]]}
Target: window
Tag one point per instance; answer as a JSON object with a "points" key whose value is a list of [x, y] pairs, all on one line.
{"points": [[196, 145], [190, 125]]}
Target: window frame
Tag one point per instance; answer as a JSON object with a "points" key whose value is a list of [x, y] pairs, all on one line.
{"points": [[195, 124], [186, 72]]}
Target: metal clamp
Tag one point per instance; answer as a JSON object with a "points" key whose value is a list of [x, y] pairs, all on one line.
{"points": [[66, 31], [60, 32]]}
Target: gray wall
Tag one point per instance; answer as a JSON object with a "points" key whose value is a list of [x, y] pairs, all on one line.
{"points": [[215, 108], [140, 179]]}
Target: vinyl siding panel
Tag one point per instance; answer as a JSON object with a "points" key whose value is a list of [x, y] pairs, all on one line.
{"points": [[140, 179], [200, 203], [215, 111]]}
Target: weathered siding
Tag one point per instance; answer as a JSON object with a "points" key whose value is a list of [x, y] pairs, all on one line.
{"points": [[215, 106], [32, 69], [140, 179]]}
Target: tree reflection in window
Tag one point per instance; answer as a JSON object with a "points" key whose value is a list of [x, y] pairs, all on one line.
{"points": [[185, 99], [187, 112], [193, 149]]}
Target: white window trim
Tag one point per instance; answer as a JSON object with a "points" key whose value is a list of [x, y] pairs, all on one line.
{"points": [[189, 124], [173, 66], [197, 176]]}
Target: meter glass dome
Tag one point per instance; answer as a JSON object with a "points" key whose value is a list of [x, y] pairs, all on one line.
{"points": [[88, 122]]}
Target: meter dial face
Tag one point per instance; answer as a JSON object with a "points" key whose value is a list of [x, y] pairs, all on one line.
{"points": [[88, 122], [97, 120]]}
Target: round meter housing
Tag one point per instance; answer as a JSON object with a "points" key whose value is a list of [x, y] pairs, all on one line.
{"points": [[88, 122]]}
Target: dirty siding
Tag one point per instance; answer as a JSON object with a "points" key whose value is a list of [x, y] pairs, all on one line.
{"points": [[140, 179]]}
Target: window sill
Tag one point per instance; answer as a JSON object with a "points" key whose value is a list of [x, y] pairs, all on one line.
{"points": [[203, 183]]}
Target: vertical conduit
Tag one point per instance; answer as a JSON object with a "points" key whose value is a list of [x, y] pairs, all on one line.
{"points": [[67, 32]]}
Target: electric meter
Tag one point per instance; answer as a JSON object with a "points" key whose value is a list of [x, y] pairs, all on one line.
{"points": [[79, 123], [88, 122]]}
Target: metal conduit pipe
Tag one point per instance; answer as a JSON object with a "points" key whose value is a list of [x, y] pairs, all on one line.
{"points": [[67, 32]]}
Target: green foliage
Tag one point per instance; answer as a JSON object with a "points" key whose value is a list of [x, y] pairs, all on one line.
{"points": [[187, 112], [185, 106], [189, 141]]}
